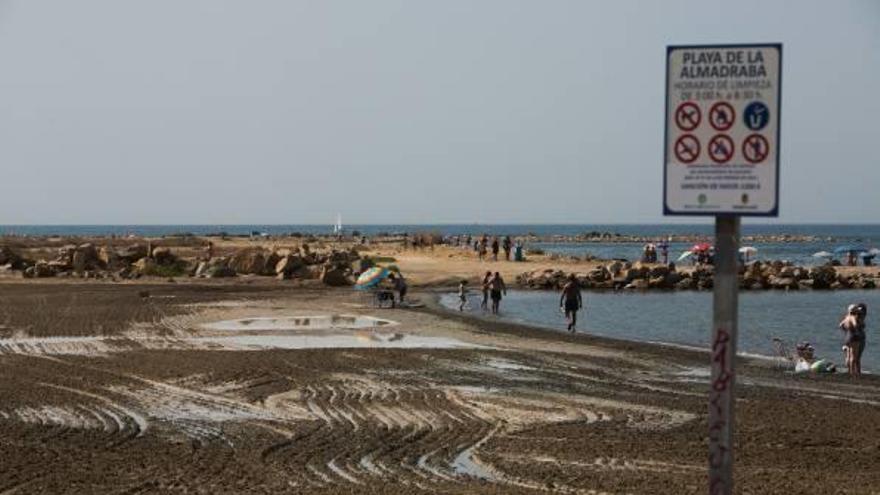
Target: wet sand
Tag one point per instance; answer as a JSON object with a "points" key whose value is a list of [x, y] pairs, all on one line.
{"points": [[106, 391]]}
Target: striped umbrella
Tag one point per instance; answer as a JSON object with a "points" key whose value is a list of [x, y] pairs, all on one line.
{"points": [[371, 278]]}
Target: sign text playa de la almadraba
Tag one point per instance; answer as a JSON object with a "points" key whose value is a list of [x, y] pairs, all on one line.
{"points": [[722, 130]]}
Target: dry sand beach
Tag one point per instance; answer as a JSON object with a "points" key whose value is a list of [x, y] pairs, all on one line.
{"points": [[257, 385]]}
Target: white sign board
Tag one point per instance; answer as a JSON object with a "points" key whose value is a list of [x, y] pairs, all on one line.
{"points": [[722, 130]]}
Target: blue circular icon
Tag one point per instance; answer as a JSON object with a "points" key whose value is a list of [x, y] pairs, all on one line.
{"points": [[756, 115]]}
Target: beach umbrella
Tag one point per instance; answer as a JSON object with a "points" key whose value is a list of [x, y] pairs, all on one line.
{"points": [[685, 255], [822, 254], [874, 251], [748, 250], [371, 278], [849, 249], [703, 246]]}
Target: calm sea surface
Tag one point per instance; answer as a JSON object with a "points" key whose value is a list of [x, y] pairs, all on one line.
{"points": [[685, 317]]}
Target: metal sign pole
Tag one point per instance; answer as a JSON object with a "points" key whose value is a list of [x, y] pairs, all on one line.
{"points": [[724, 337]]}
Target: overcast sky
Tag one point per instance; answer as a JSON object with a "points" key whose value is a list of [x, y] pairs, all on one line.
{"points": [[184, 111]]}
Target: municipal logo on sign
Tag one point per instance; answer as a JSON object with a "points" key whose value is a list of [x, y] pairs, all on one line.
{"points": [[721, 151]]}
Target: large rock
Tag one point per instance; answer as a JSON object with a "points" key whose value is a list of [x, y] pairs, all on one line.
{"points": [[163, 255], [336, 277], [132, 253], [8, 256], [254, 261], [144, 266]]}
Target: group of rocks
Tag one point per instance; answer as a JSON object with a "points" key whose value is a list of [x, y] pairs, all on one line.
{"points": [[755, 276], [333, 268], [137, 260]]}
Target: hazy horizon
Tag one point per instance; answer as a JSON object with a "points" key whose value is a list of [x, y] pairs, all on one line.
{"points": [[400, 112]]}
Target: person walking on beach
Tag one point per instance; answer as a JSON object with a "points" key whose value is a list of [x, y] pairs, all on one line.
{"points": [[571, 301], [496, 288], [507, 244], [495, 247], [484, 304], [853, 328], [462, 295]]}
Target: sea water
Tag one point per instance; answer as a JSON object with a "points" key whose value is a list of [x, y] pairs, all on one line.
{"points": [[684, 317]]}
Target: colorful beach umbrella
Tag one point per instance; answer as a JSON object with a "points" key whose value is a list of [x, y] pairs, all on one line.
{"points": [[685, 255], [703, 246], [371, 278]]}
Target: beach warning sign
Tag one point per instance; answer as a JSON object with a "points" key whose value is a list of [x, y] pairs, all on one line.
{"points": [[722, 130]]}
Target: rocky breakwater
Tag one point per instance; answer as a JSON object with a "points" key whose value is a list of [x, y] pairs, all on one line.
{"points": [[133, 261], [776, 275]]}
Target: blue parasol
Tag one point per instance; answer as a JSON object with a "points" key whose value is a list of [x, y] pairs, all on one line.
{"points": [[371, 278]]}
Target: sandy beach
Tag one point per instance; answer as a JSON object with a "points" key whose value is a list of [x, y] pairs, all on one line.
{"points": [[257, 385]]}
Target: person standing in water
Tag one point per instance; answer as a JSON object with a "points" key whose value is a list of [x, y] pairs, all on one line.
{"points": [[462, 295], [484, 304], [853, 328], [496, 288], [571, 301]]}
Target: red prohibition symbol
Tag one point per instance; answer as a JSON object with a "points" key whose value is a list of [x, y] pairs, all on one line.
{"points": [[687, 116], [755, 148], [721, 148], [722, 116], [687, 148]]}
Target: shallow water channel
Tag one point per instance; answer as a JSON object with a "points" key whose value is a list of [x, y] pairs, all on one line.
{"points": [[685, 317]]}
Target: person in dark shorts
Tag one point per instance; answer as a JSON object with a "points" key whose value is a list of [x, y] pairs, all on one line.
{"points": [[571, 301], [853, 328], [507, 245], [496, 289], [484, 304]]}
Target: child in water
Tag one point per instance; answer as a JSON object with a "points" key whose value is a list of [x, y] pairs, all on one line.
{"points": [[462, 295]]}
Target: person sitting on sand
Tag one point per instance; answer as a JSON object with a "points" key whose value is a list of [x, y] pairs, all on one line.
{"points": [[496, 288], [571, 301], [853, 328], [806, 360], [484, 304], [462, 295]]}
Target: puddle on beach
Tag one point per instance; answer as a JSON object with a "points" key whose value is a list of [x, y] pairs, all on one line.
{"points": [[320, 322], [338, 341], [295, 332]]}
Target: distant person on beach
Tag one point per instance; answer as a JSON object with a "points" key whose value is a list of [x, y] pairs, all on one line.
{"points": [[664, 251], [462, 295], [496, 288], [853, 328], [571, 301], [495, 248], [507, 244], [484, 304], [484, 247]]}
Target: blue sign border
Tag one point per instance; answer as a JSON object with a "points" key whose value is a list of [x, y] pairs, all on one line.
{"points": [[775, 211]]}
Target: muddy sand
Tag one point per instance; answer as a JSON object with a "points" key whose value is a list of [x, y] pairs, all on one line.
{"points": [[224, 388]]}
